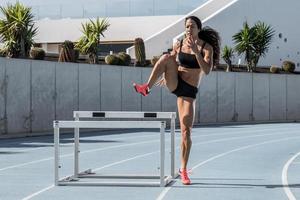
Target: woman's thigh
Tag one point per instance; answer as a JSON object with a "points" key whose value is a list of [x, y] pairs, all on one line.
{"points": [[171, 73], [186, 111]]}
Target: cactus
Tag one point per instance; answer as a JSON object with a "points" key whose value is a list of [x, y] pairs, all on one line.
{"points": [[112, 60], [37, 53], [125, 59], [67, 52], [77, 52], [288, 66], [140, 54]]}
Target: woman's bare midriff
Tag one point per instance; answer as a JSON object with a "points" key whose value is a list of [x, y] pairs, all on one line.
{"points": [[191, 76]]}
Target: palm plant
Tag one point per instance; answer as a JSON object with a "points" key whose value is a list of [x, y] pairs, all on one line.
{"points": [[88, 43], [17, 30], [227, 55], [243, 40], [254, 42], [262, 41]]}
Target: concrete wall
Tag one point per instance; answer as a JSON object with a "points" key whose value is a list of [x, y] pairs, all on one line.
{"points": [[34, 93]]}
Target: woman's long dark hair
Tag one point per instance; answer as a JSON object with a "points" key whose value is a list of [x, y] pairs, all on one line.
{"points": [[210, 36]]}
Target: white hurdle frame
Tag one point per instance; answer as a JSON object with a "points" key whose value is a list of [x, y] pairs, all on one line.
{"points": [[77, 124]]}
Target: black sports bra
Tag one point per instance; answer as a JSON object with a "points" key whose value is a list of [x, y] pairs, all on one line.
{"points": [[189, 60]]}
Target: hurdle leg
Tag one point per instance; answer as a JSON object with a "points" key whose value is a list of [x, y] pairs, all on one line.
{"points": [[56, 153], [76, 150], [173, 147], [162, 154]]}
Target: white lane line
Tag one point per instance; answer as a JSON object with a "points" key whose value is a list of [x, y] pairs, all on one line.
{"points": [[167, 189], [24, 164], [37, 193], [132, 144], [65, 145], [296, 163], [71, 154], [284, 178]]}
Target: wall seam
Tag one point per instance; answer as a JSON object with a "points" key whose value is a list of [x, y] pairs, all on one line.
{"points": [[30, 99], [55, 91], [78, 85]]}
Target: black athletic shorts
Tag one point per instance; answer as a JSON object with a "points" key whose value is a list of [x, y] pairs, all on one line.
{"points": [[185, 90]]}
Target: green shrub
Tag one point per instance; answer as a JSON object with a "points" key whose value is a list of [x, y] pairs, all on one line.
{"points": [[112, 60], [125, 59], [154, 60], [2, 53], [37, 53], [288, 66], [274, 69]]}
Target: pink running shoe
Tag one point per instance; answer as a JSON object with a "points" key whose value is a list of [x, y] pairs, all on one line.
{"points": [[184, 177], [143, 89]]}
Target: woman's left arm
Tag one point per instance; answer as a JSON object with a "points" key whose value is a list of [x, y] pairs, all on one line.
{"points": [[205, 62]]}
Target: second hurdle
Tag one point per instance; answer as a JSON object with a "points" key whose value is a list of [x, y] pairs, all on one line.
{"points": [[157, 122]]}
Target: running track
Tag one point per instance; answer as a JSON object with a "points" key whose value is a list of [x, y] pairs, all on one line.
{"points": [[237, 162]]}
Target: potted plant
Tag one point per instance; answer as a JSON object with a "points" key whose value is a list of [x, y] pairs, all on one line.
{"points": [[227, 55], [89, 42], [254, 42], [17, 30]]}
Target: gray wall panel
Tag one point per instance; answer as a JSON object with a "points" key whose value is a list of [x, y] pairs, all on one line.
{"points": [[66, 90], [153, 101], [226, 87], [243, 97], [261, 101], [43, 95], [2, 96], [111, 89], [278, 97], [293, 97], [89, 87], [208, 98], [18, 95], [131, 101]]}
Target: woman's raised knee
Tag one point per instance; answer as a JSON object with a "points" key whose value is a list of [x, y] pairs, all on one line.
{"points": [[166, 58]]}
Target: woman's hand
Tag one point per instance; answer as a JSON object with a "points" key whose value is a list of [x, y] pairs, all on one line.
{"points": [[192, 44]]}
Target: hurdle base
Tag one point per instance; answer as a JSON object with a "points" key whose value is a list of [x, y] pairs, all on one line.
{"points": [[78, 181]]}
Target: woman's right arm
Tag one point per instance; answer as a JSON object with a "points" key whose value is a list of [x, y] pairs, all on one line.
{"points": [[175, 50]]}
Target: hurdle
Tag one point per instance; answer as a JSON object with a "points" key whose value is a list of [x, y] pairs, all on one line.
{"points": [[156, 123]]}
